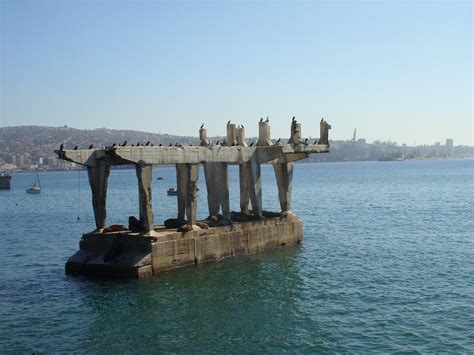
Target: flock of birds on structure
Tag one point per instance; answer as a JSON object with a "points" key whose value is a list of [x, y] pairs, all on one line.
{"points": [[223, 143]]}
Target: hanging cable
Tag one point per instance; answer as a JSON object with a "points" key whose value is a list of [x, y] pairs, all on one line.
{"points": [[79, 194]]}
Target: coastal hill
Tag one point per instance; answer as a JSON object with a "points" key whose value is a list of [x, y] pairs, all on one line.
{"points": [[29, 147]]}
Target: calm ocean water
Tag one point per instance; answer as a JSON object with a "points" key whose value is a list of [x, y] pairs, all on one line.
{"points": [[387, 265]]}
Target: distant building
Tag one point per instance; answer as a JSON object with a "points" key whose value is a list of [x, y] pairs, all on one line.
{"points": [[449, 143]]}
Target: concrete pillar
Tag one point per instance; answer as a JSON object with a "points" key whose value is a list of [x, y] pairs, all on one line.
{"points": [[241, 137], [203, 137], [98, 178], [284, 177], [144, 175], [264, 134], [244, 179], [324, 128], [255, 186], [186, 181], [217, 185], [231, 135], [181, 186], [191, 193], [295, 134]]}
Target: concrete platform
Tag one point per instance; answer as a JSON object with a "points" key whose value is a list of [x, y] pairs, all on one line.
{"points": [[132, 255]]}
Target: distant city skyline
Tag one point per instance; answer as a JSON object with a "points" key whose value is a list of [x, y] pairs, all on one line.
{"points": [[399, 71]]}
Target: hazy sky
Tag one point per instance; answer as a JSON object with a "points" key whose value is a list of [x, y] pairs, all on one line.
{"points": [[395, 70]]}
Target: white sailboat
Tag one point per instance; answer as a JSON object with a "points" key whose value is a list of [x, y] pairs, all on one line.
{"points": [[35, 187]]}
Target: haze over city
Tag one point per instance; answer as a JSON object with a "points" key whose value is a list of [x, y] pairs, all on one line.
{"points": [[397, 71]]}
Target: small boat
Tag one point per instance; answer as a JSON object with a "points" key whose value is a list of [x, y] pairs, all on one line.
{"points": [[159, 178], [35, 187], [5, 181], [172, 191]]}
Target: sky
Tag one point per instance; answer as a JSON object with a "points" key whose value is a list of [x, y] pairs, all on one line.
{"points": [[394, 70]]}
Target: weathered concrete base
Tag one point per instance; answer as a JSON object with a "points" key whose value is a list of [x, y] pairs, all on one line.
{"points": [[125, 254]]}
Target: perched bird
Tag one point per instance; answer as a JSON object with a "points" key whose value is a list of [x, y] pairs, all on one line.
{"points": [[267, 119], [159, 145], [251, 144], [176, 144], [132, 145], [124, 143], [114, 145], [91, 146], [202, 126], [138, 144], [306, 141], [261, 120], [170, 145], [293, 119], [217, 143], [242, 126], [147, 144], [322, 119], [61, 147], [278, 141], [75, 148], [228, 122]]}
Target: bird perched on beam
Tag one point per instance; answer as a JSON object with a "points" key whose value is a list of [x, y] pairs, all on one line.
{"points": [[267, 119], [278, 141], [228, 122], [76, 147], [91, 146], [293, 119], [202, 126], [61, 147], [261, 120], [124, 143], [147, 144]]}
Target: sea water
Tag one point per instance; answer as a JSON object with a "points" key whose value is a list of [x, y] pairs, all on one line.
{"points": [[387, 265]]}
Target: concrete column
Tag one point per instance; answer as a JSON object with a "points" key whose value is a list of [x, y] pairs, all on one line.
{"points": [[212, 192], [241, 137], [98, 178], [231, 135], [255, 186], [144, 175], [217, 185], [181, 186], [203, 137], [295, 134], [191, 193], [223, 182], [264, 134], [244, 179], [284, 177], [324, 128]]}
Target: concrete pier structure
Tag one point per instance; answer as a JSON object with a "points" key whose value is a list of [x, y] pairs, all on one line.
{"points": [[145, 248]]}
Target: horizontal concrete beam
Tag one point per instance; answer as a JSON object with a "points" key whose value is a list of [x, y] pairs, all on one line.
{"points": [[191, 154]]}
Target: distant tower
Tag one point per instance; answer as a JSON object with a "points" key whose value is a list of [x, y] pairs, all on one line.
{"points": [[449, 143], [354, 136]]}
